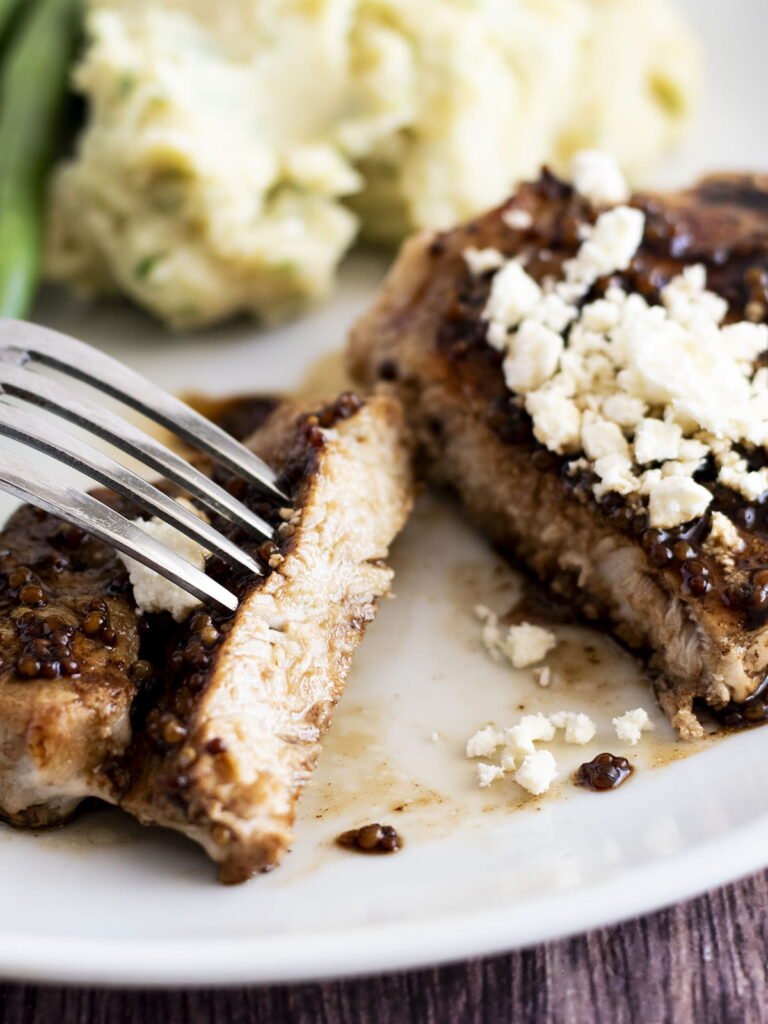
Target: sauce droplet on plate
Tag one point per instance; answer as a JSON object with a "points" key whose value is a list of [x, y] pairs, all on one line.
{"points": [[604, 772], [372, 838]]}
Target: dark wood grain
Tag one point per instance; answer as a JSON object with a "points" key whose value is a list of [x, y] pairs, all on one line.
{"points": [[704, 961]]}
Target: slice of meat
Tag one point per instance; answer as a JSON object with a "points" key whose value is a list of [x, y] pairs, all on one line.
{"points": [[700, 619], [70, 667], [211, 726], [235, 734]]}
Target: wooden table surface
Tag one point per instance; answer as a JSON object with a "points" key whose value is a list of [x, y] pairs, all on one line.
{"points": [[701, 962]]}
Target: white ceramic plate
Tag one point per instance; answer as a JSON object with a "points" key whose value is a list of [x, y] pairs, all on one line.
{"points": [[104, 901]]}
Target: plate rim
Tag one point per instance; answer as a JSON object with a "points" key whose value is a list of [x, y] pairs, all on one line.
{"points": [[335, 954]]}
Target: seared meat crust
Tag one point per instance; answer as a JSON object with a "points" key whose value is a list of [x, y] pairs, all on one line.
{"points": [[69, 635]]}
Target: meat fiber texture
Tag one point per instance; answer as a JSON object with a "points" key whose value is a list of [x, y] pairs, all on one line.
{"points": [[282, 668]]}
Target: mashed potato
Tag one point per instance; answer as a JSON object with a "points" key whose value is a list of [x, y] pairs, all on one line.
{"points": [[234, 149]]}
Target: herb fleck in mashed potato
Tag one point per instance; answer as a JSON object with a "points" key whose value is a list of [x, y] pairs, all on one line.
{"points": [[235, 148]]}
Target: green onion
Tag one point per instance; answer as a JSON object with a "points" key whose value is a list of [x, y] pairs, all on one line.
{"points": [[147, 264], [33, 89]]}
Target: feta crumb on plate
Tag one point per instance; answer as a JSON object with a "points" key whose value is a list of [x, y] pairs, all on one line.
{"points": [[578, 727], [537, 772], [543, 676], [630, 726], [527, 644], [523, 644], [484, 742], [510, 759], [487, 774], [530, 729]]}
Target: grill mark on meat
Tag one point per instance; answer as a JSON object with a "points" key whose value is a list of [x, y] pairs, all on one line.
{"points": [[705, 623]]}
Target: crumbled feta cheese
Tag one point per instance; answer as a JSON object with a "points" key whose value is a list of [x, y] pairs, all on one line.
{"points": [[435, 737], [600, 316], [522, 644], [498, 335], [554, 312], [543, 676], [677, 500], [677, 468], [601, 438], [693, 451], [518, 220], [514, 294], [689, 303], [579, 728], [151, 591], [650, 479], [484, 742], [623, 409], [532, 357], [556, 419], [487, 774], [631, 725], [745, 341], [537, 772], [615, 474], [530, 729], [597, 177], [611, 246], [635, 384], [656, 441], [724, 535], [482, 261], [751, 484], [527, 644]]}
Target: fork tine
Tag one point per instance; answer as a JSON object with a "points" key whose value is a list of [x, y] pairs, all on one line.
{"points": [[32, 430], [54, 397], [79, 360], [80, 509]]}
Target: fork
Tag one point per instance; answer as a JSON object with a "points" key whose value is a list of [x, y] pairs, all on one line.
{"points": [[25, 347]]}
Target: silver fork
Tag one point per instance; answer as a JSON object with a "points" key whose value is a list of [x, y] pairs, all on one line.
{"points": [[24, 346]]}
